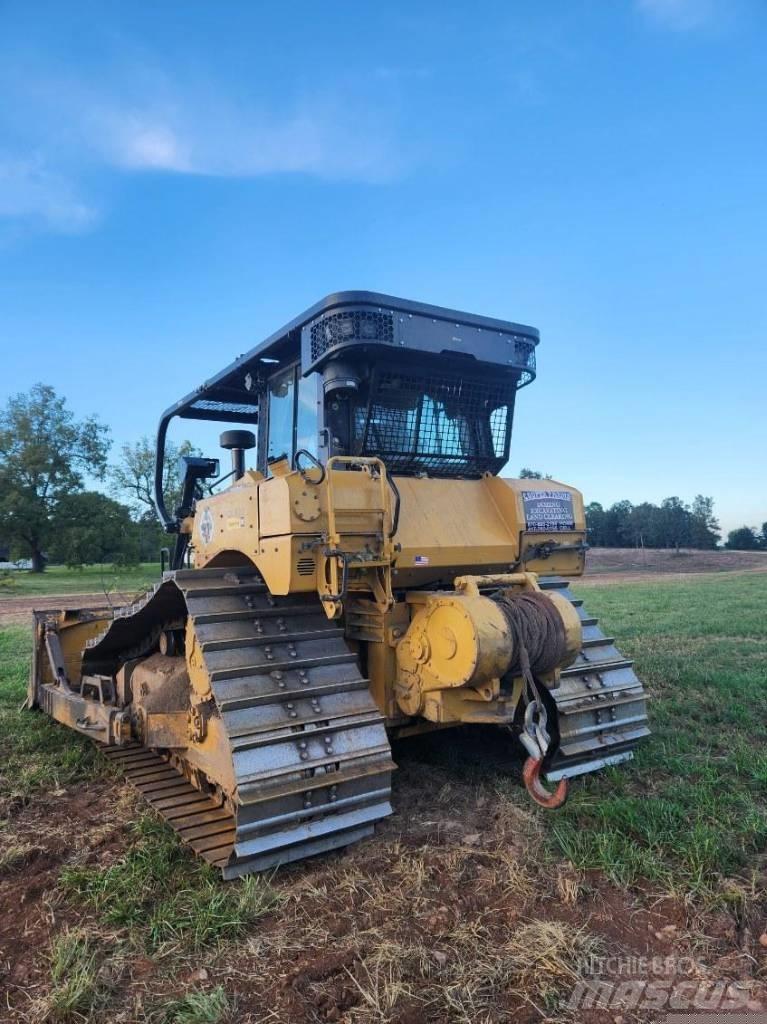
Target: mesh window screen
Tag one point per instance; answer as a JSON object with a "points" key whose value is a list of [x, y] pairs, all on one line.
{"points": [[447, 426], [226, 408]]}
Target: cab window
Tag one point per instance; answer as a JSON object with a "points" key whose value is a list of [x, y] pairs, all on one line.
{"points": [[307, 414], [281, 402], [293, 414]]}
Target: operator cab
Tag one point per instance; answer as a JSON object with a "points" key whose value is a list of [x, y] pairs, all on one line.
{"points": [[428, 390]]}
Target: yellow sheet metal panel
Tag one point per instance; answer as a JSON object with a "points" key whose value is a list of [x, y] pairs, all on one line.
{"points": [[291, 504], [449, 525], [270, 522], [274, 507], [74, 634], [545, 515], [227, 522]]}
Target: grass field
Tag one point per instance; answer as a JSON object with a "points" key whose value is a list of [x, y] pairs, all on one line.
{"points": [[91, 579], [691, 814], [469, 905]]}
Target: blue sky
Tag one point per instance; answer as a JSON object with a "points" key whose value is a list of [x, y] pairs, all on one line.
{"points": [[177, 179]]}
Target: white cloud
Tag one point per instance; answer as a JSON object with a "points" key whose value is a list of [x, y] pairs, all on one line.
{"points": [[30, 191], [680, 15], [144, 122], [328, 139], [139, 144]]}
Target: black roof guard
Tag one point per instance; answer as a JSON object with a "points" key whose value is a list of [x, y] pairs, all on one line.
{"points": [[341, 320]]}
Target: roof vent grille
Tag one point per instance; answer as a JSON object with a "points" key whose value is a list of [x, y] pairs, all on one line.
{"points": [[356, 325]]}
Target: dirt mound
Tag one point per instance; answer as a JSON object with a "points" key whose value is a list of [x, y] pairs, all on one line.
{"points": [[651, 561], [18, 610]]}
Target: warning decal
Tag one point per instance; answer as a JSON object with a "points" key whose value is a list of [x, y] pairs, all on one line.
{"points": [[548, 511]]}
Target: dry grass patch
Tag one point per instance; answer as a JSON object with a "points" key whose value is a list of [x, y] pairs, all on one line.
{"points": [[14, 855]]}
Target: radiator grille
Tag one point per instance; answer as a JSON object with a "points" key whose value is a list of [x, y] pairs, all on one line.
{"points": [[350, 326]]}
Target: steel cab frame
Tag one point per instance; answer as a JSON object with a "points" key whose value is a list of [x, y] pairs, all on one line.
{"points": [[428, 389]]}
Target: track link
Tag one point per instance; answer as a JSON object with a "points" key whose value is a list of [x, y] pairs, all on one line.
{"points": [[600, 701], [309, 752], [203, 822]]}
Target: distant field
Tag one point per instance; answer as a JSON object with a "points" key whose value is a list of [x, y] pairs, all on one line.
{"points": [[469, 905], [91, 579], [94, 579], [661, 560]]}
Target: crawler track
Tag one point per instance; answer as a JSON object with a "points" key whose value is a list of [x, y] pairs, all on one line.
{"points": [[301, 763], [309, 752], [600, 701]]}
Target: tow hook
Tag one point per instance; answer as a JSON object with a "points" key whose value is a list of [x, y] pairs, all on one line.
{"points": [[531, 774]]}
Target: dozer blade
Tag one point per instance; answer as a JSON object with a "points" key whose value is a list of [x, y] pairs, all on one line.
{"points": [[305, 743], [600, 701]]}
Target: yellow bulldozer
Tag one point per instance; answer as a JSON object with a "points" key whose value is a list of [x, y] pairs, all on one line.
{"points": [[370, 576]]}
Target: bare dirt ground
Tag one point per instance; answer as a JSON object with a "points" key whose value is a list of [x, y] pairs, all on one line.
{"points": [[18, 610], [449, 914], [613, 565], [603, 565]]}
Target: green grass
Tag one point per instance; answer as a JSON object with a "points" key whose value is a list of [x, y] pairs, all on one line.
{"points": [[196, 1008], [158, 891], [690, 813], [35, 752], [91, 579], [688, 816], [164, 895], [75, 990]]}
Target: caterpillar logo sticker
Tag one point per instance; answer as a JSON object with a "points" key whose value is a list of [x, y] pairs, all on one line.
{"points": [[206, 527], [548, 511]]}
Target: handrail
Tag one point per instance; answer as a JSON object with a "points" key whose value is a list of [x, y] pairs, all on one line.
{"points": [[170, 523]]}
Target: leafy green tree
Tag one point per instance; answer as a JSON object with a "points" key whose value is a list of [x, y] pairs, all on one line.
{"points": [[745, 538], [133, 475], [44, 452], [670, 525], [90, 527], [151, 537], [617, 532], [595, 524], [643, 526], [704, 526], [675, 523]]}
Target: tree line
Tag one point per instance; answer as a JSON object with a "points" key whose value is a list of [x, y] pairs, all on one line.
{"points": [[672, 524], [47, 514]]}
